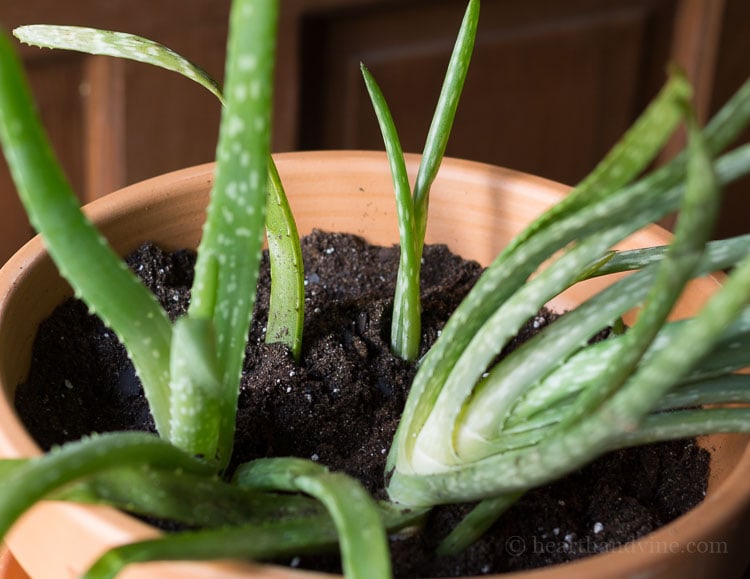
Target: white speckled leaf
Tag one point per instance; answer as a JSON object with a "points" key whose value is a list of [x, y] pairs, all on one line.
{"points": [[226, 270], [118, 44]]}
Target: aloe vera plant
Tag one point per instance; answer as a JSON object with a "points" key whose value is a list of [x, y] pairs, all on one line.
{"points": [[472, 429]]}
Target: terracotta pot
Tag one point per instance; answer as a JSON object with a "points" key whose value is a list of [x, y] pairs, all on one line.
{"points": [[475, 209]]}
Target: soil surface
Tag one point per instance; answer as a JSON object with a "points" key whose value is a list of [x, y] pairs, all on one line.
{"points": [[341, 404]]}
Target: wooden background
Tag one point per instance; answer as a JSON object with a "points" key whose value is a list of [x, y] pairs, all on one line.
{"points": [[552, 85]]}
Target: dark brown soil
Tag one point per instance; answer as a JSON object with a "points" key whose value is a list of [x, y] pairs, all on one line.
{"points": [[340, 407]]}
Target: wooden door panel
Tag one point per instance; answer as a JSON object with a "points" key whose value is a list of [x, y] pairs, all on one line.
{"points": [[549, 91]]}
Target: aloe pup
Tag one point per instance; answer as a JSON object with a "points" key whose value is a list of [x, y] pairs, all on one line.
{"points": [[471, 430]]}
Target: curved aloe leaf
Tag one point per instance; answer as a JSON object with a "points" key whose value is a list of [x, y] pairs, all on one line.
{"points": [[476, 523], [40, 477], [442, 120], [118, 44], [724, 389], [262, 540], [543, 401], [266, 541], [192, 499], [82, 255], [680, 424], [286, 312], [632, 259], [626, 160], [364, 545]]}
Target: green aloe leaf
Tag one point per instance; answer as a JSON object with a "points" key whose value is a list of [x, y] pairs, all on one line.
{"points": [[226, 270], [82, 255], [118, 44], [633, 259], [476, 523], [40, 477], [688, 423], [584, 369], [724, 389], [364, 545], [267, 541], [406, 323], [286, 312], [195, 388], [443, 117], [263, 540], [192, 499], [631, 155]]}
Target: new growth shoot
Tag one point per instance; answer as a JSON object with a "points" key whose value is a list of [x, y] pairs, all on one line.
{"points": [[412, 206]]}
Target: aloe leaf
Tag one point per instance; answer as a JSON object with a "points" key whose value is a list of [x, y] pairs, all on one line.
{"points": [[476, 523], [267, 541], [632, 259], [726, 389], [287, 306], [9, 466], [678, 424], [697, 216], [442, 119], [412, 208], [406, 324], [233, 231], [118, 44], [83, 257], [185, 497], [364, 545], [42, 476], [728, 123], [195, 390], [584, 369]]}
